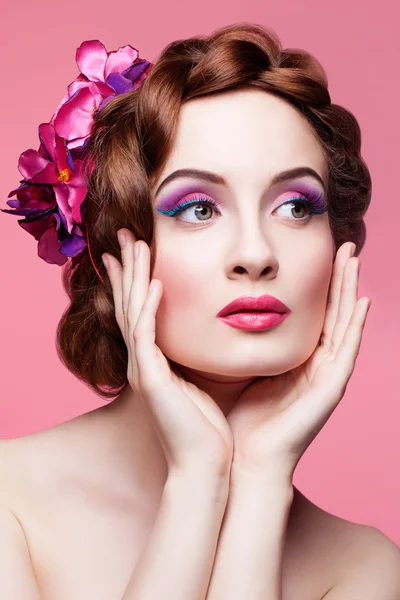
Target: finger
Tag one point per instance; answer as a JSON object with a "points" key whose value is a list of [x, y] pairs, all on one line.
{"points": [[347, 303], [151, 371], [125, 241], [140, 283], [136, 284], [138, 293], [335, 375], [170, 411], [114, 272], [349, 348], [342, 257]]}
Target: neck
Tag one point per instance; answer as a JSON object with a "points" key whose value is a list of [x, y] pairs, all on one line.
{"points": [[130, 433], [223, 389]]}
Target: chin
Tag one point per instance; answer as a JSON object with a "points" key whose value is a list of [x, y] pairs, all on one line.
{"points": [[243, 369], [246, 358]]}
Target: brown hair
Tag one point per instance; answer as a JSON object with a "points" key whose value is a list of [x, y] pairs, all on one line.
{"points": [[131, 139]]}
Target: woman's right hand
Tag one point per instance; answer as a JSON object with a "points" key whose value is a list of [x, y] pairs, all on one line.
{"points": [[192, 429]]}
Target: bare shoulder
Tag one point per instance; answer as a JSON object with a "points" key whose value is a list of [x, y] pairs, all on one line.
{"points": [[17, 577], [27, 462], [339, 552], [369, 569]]}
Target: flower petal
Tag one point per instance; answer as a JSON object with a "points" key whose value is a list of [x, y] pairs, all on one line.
{"points": [[78, 230], [35, 213], [14, 204], [76, 197], [23, 186], [30, 162], [120, 59], [119, 83], [37, 227], [91, 57], [62, 193], [78, 143], [49, 247], [75, 117], [61, 154], [35, 168], [32, 198], [78, 83], [47, 138], [61, 219], [105, 101], [48, 175], [73, 245], [136, 70]]}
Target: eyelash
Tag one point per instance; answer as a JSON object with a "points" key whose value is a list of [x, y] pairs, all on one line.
{"points": [[312, 200]]}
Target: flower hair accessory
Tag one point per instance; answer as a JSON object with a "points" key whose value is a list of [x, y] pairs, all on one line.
{"points": [[53, 189]]}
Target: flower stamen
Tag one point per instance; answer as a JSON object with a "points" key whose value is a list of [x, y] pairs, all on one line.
{"points": [[64, 175]]}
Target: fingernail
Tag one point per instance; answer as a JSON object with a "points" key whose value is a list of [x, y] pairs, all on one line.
{"points": [[121, 238], [353, 249], [105, 260], [136, 249]]}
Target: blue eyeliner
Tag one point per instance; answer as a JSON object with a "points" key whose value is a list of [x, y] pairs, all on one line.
{"points": [[199, 200], [315, 199]]}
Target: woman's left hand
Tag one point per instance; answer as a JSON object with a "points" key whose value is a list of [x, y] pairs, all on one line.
{"points": [[276, 418]]}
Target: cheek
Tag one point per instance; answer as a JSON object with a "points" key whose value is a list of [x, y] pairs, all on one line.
{"points": [[311, 292], [185, 277]]}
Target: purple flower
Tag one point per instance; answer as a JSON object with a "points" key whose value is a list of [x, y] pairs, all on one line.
{"points": [[37, 203], [53, 188], [103, 75], [53, 165], [50, 197]]}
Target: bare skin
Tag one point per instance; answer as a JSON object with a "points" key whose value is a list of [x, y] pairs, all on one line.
{"points": [[82, 499], [84, 495]]}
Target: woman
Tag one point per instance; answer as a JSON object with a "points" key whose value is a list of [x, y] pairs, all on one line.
{"points": [[237, 179]]}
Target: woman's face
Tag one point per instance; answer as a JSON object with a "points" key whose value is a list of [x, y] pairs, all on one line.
{"points": [[249, 243]]}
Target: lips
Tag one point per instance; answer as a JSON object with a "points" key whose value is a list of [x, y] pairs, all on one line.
{"points": [[263, 303]]}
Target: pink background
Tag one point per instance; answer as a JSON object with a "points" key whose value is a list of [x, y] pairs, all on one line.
{"points": [[352, 467]]}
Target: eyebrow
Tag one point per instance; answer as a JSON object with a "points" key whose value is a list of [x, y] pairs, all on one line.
{"points": [[218, 179]]}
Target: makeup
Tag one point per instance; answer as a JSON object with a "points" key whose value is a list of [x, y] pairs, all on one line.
{"points": [[311, 197], [181, 196], [301, 191], [262, 303], [172, 208], [254, 312], [254, 320]]}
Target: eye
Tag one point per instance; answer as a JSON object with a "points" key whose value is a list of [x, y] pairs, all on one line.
{"points": [[202, 207], [300, 209], [298, 206], [199, 206]]}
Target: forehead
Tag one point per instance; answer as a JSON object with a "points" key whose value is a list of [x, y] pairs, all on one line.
{"points": [[243, 135]]}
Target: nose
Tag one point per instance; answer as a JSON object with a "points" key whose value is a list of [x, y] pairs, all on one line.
{"points": [[253, 255]]}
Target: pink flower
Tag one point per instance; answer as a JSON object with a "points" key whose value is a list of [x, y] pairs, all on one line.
{"points": [[52, 193], [103, 75], [36, 202], [53, 165]]}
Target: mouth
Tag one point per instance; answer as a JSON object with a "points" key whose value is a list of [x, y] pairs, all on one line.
{"points": [[248, 310], [255, 305], [254, 320]]}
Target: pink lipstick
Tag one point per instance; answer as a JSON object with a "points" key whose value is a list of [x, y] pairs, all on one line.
{"points": [[256, 313]]}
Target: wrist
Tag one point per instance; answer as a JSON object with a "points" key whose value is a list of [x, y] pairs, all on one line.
{"points": [[199, 485], [273, 476]]}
